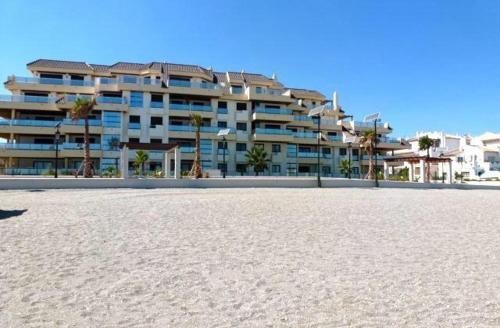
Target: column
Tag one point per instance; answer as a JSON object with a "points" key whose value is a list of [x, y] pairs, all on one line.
{"points": [[422, 171], [168, 158], [450, 172], [177, 158], [386, 170], [412, 172], [124, 162]]}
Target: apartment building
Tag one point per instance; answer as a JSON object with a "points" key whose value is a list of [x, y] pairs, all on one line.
{"points": [[473, 157], [152, 103]]}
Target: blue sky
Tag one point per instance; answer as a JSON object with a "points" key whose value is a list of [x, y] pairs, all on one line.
{"points": [[425, 65]]}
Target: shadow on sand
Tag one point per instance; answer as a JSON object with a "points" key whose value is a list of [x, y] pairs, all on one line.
{"points": [[8, 214]]}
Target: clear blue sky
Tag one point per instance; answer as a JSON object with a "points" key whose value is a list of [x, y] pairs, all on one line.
{"points": [[425, 65]]}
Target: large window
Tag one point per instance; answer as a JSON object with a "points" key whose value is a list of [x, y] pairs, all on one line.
{"points": [[241, 106], [241, 126], [222, 124], [276, 148], [241, 146], [222, 104], [292, 150], [111, 119], [343, 152], [276, 169], [110, 142], [136, 99], [155, 121]]}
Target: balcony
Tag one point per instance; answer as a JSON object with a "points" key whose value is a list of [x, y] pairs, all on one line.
{"points": [[52, 81], [194, 87], [269, 94], [36, 123], [335, 138], [92, 122], [273, 114], [45, 84], [156, 104], [190, 107], [191, 150], [134, 126], [273, 135], [79, 146], [222, 111], [190, 128], [28, 146], [27, 99], [111, 100]]}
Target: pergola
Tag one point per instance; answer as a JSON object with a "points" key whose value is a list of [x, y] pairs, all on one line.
{"points": [[421, 161], [169, 149]]}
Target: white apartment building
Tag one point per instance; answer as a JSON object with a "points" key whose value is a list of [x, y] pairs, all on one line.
{"points": [[151, 103]]}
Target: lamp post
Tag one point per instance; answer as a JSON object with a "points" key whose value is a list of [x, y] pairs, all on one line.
{"points": [[375, 118], [57, 137]]}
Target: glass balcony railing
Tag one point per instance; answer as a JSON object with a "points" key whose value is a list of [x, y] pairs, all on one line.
{"points": [[27, 146], [108, 80], [302, 118], [269, 91], [389, 140], [53, 81], [222, 111], [335, 138], [38, 123], [134, 126], [190, 128], [273, 131], [302, 154], [111, 100], [92, 122], [190, 84], [367, 124], [28, 99], [221, 152], [191, 150], [156, 104], [307, 135], [191, 107], [276, 111], [77, 146], [73, 98]]}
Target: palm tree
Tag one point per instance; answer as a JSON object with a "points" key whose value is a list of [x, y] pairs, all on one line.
{"points": [[82, 110], [346, 167], [141, 157], [257, 157], [425, 143], [196, 171], [367, 141]]}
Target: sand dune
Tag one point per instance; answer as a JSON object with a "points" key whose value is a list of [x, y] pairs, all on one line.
{"points": [[250, 258]]}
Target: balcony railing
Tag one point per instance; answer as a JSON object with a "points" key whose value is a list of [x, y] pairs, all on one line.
{"points": [[307, 135], [156, 104], [302, 154], [111, 100], [108, 80], [92, 122], [273, 131], [53, 81], [302, 118], [276, 111], [27, 146], [28, 99], [191, 107], [77, 146], [273, 92], [190, 84], [73, 98], [389, 140], [23, 122], [335, 138], [134, 126], [190, 150], [190, 128], [367, 124], [221, 152], [222, 111]]}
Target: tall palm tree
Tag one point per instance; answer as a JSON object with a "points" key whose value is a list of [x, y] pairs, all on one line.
{"points": [[141, 157], [257, 157], [426, 143], [346, 167], [82, 110], [367, 141], [196, 171]]}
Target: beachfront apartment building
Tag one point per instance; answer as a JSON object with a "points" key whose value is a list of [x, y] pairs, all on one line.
{"points": [[473, 157], [151, 103]]}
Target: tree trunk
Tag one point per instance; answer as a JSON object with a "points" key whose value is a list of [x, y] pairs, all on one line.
{"points": [[428, 166], [196, 170], [87, 168], [370, 164]]}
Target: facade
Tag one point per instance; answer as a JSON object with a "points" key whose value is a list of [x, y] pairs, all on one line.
{"points": [[152, 103], [472, 157]]}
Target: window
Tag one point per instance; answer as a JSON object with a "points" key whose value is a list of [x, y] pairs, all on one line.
{"points": [[241, 146], [343, 152], [258, 89], [155, 141], [355, 152], [222, 104], [136, 99], [355, 170], [292, 150], [222, 167], [111, 119], [276, 169], [276, 148], [108, 162], [221, 145], [110, 142], [327, 151], [291, 169], [157, 97], [133, 140], [222, 124], [156, 120], [241, 106], [241, 126], [236, 89], [134, 119], [241, 168]]}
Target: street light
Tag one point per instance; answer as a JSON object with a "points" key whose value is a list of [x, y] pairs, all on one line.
{"points": [[318, 111], [375, 118], [57, 137], [223, 133]]}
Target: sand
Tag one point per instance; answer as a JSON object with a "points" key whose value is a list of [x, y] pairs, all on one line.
{"points": [[250, 258]]}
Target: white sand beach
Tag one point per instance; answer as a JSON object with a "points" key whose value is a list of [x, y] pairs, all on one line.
{"points": [[250, 258]]}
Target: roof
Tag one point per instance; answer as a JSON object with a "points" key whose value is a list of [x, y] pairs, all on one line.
{"points": [[416, 159], [304, 93], [49, 63]]}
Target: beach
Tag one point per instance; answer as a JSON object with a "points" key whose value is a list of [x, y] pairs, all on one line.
{"points": [[250, 258]]}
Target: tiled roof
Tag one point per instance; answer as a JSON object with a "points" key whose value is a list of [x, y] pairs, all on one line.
{"points": [[100, 68], [124, 66], [221, 77], [49, 63], [305, 92]]}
